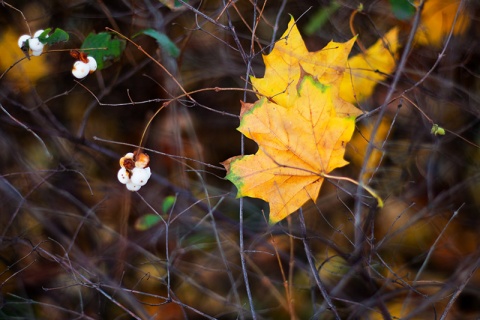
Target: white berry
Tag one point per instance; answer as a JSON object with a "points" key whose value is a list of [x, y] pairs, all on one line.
{"points": [[92, 63], [123, 176], [23, 39], [80, 70], [37, 52], [133, 187], [38, 33], [35, 44], [140, 176]]}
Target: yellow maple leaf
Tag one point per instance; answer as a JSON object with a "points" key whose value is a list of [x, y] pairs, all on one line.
{"points": [[437, 19], [366, 69], [298, 145], [290, 57]]}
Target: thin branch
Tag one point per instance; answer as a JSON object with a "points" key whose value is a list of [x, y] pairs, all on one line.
{"points": [[42, 143], [313, 268]]}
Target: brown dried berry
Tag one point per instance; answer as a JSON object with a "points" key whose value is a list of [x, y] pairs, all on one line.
{"points": [[142, 160], [82, 56], [128, 164], [127, 161]]}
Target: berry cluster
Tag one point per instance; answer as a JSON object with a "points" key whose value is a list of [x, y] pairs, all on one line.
{"points": [[134, 171], [26, 42], [84, 66]]}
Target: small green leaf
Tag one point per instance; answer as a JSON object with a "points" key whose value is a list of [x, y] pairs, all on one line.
{"points": [[320, 17], [402, 9], [147, 221], [58, 35], [437, 130], [163, 41], [167, 204], [103, 48]]}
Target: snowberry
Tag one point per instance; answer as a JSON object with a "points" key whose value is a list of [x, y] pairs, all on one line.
{"points": [[22, 40], [123, 176], [80, 70], [37, 52], [133, 187], [35, 44], [140, 176], [92, 63], [134, 172], [38, 33]]}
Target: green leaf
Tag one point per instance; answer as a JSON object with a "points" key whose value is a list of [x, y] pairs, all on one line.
{"points": [[103, 48], [58, 35], [402, 9], [163, 41], [167, 204], [147, 221], [320, 17]]}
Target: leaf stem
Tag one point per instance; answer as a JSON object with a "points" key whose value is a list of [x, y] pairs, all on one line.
{"points": [[360, 184]]}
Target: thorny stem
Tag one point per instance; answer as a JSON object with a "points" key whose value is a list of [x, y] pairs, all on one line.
{"points": [[358, 215], [162, 67], [291, 268], [441, 54], [286, 282], [460, 288], [316, 276], [139, 47], [433, 123], [171, 156], [19, 11], [44, 146], [248, 60], [430, 252]]}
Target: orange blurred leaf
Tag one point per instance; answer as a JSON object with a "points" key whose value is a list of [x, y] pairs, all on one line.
{"points": [[366, 69], [437, 19], [25, 73], [359, 143]]}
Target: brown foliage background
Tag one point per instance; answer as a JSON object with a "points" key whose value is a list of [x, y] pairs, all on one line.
{"points": [[69, 245]]}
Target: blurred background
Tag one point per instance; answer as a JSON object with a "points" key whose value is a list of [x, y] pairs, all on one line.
{"points": [[74, 243]]}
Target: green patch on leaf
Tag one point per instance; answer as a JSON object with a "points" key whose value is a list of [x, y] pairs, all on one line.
{"points": [[147, 221], [103, 48], [163, 41], [402, 9], [233, 176], [58, 35], [312, 82]]}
